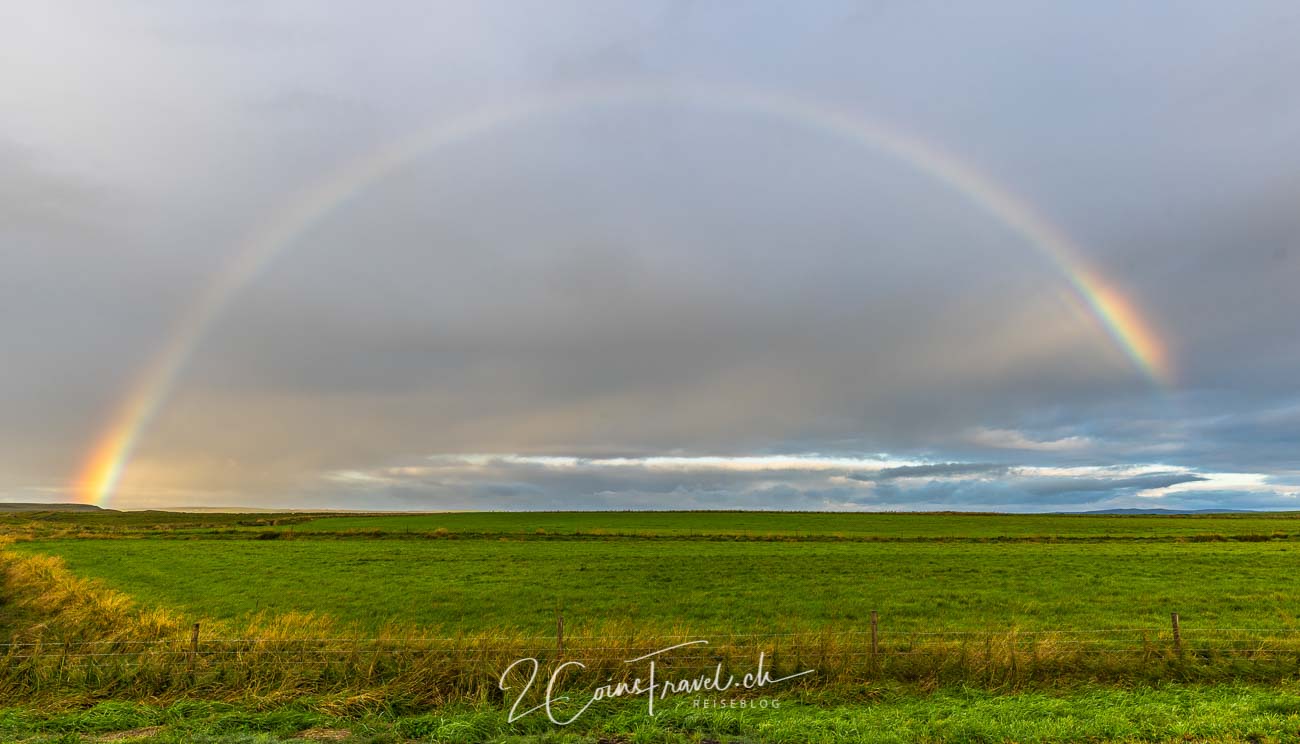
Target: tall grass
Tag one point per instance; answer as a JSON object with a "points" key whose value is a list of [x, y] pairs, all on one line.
{"points": [[73, 641]]}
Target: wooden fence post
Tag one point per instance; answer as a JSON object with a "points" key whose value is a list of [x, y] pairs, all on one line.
{"points": [[194, 644], [1178, 633], [875, 635], [1011, 649], [559, 632]]}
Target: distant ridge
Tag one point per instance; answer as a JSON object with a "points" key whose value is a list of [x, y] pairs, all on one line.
{"points": [[1165, 511], [26, 507], [247, 510]]}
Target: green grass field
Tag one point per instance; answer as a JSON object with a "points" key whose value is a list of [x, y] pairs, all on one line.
{"points": [[754, 525], [704, 574], [1222, 713], [709, 586], [804, 524]]}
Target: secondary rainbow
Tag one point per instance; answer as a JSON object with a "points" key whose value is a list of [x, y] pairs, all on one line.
{"points": [[1118, 317]]}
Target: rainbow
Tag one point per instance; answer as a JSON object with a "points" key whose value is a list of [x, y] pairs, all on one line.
{"points": [[1118, 317]]}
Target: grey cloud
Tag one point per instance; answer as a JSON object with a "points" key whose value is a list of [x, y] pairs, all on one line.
{"points": [[35, 201], [936, 470], [1057, 486], [507, 482]]}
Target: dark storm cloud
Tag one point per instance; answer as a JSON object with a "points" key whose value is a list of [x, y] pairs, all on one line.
{"points": [[654, 279]]}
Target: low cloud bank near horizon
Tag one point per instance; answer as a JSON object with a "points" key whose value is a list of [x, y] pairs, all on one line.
{"points": [[797, 483]]}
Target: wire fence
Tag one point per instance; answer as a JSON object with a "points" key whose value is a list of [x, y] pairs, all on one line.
{"points": [[848, 642], [448, 667]]}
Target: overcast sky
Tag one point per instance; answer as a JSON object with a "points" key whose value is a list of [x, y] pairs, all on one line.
{"points": [[654, 300]]}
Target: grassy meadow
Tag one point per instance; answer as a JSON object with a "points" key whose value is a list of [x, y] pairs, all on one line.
{"points": [[1221, 713], [394, 627], [456, 585], [722, 525], [809, 525]]}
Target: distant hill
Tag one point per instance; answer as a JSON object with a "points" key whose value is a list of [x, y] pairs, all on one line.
{"points": [[1167, 511], [26, 507], [248, 510]]}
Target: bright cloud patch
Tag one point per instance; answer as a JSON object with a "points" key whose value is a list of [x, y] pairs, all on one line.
{"points": [[800, 482]]}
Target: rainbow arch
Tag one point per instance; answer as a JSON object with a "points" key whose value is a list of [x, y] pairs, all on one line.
{"points": [[1115, 314]]}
